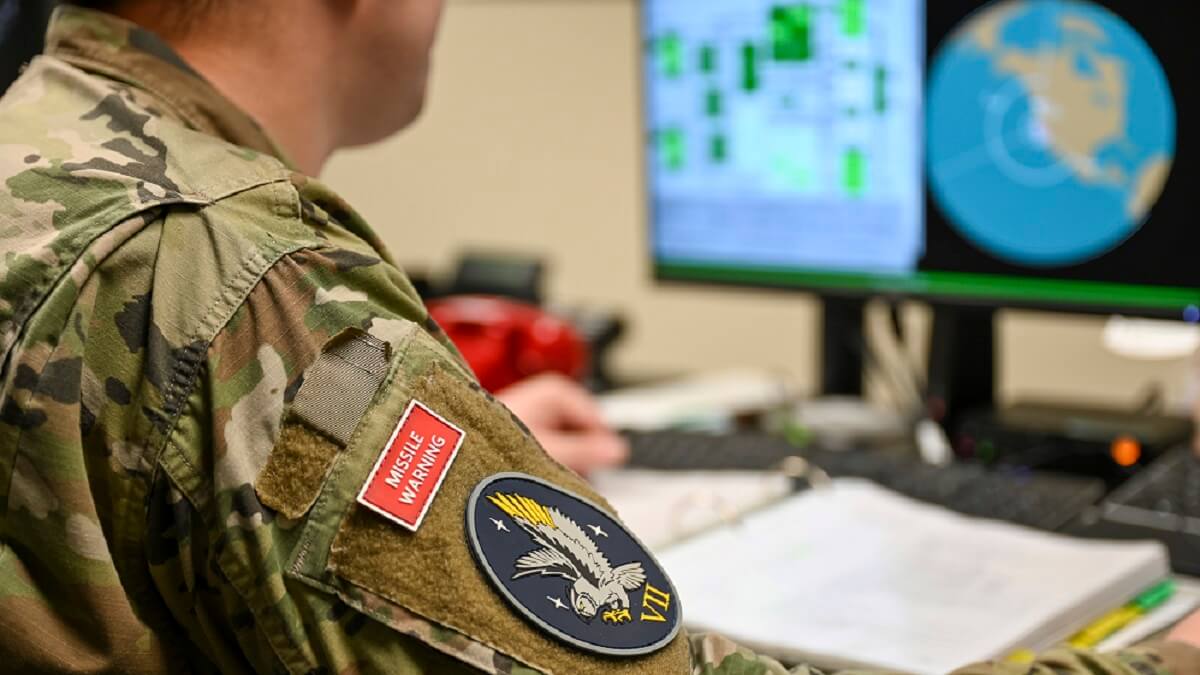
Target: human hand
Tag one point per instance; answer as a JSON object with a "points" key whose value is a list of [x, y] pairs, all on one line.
{"points": [[565, 419], [1187, 631]]}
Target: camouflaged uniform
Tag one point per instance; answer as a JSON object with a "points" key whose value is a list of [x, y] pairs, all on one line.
{"points": [[200, 353]]}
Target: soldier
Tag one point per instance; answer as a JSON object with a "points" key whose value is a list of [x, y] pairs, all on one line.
{"points": [[231, 439]]}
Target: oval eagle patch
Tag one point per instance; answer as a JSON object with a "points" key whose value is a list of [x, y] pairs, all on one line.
{"points": [[569, 567]]}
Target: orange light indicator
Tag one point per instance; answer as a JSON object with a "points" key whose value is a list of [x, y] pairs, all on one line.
{"points": [[1126, 451]]}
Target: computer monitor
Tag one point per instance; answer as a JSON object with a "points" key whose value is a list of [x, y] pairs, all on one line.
{"points": [[1018, 153], [1036, 161]]}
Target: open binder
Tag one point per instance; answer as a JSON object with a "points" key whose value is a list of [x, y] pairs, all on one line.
{"points": [[853, 575]]}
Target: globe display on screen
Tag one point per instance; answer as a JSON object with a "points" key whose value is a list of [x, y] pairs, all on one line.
{"points": [[1051, 130]]}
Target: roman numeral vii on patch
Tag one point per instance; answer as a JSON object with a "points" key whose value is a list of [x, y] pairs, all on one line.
{"points": [[652, 598]]}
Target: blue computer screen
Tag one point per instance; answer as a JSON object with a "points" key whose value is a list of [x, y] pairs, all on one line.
{"points": [[787, 134]]}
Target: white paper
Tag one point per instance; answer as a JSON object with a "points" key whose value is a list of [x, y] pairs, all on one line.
{"points": [[662, 507], [706, 398], [855, 575]]}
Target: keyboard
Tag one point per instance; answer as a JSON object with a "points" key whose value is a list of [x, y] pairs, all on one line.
{"points": [[1042, 500], [1161, 502]]}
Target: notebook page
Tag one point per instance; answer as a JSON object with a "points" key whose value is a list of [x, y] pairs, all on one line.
{"points": [[858, 575]]}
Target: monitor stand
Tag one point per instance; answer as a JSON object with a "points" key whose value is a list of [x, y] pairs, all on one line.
{"points": [[961, 357], [962, 364], [842, 345]]}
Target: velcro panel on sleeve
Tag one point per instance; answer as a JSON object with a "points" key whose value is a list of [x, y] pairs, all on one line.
{"points": [[339, 386], [291, 480], [337, 390], [431, 572]]}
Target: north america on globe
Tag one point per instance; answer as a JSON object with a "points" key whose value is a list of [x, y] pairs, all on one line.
{"points": [[1051, 130]]}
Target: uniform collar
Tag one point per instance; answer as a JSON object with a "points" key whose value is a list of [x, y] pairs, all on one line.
{"points": [[112, 47]]}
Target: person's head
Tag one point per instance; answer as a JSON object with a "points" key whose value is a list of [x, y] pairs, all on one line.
{"points": [[373, 55]]}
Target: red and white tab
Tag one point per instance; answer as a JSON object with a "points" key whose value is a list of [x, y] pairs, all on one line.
{"points": [[411, 467]]}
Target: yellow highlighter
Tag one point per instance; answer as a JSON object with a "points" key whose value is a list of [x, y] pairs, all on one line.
{"points": [[1097, 631]]}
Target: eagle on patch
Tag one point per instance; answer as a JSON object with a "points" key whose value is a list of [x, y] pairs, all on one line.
{"points": [[567, 552]]}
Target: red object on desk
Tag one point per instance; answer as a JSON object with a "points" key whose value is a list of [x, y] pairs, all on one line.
{"points": [[506, 341]]}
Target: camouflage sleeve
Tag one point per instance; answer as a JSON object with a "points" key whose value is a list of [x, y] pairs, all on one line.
{"points": [[715, 655], [220, 558], [1168, 658], [257, 535]]}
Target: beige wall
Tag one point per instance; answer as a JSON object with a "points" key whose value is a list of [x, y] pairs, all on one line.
{"points": [[531, 142]]}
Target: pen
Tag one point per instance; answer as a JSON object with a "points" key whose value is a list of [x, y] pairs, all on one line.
{"points": [[1106, 625]]}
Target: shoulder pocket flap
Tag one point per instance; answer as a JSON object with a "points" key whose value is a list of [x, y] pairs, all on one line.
{"points": [[334, 396]]}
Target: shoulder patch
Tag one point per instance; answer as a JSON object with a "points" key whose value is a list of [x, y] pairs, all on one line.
{"points": [[411, 466], [569, 568]]}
